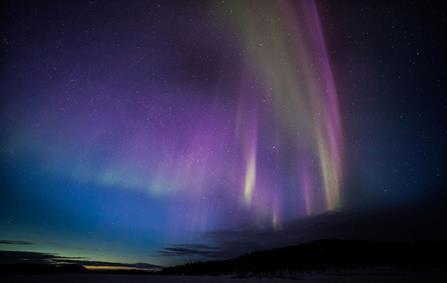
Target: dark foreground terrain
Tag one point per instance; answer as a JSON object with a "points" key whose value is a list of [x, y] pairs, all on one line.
{"points": [[383, 277], [325, 255], [319, 261]]}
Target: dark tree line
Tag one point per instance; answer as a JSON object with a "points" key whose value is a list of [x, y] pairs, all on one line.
{"points": [[324, 255]]}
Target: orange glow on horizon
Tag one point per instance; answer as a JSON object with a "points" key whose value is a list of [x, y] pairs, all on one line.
{"points": [[113, 267]]}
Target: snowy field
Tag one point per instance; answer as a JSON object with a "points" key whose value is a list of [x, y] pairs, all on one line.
{"points": [[310, 278]]}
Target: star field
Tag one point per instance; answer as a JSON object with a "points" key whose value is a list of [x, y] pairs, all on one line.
{"points": [[131, 126]]}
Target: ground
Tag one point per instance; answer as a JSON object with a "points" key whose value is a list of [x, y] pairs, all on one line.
{"points": [[407, 277]]}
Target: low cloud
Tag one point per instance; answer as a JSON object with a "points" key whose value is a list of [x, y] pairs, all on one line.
{"points": [[13, 257], [15, 242], [190, 250], [26, 257]]}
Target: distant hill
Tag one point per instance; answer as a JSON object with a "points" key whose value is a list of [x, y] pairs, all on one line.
{"points": [[324, 255], [36, 268]]}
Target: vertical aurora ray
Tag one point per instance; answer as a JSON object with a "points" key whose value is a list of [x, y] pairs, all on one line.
{"points": [[247, 132], [329, 138], [284, 47], [306, 188], [250, 174]]}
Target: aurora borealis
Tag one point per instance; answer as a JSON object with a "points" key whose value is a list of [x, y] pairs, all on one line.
{"points": [[131, 127]]}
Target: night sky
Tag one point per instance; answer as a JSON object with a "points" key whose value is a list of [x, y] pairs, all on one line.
{"points": [[166, 131]]}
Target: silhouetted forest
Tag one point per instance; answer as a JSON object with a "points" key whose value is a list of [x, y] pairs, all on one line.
{"points": [[324, 255]]}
